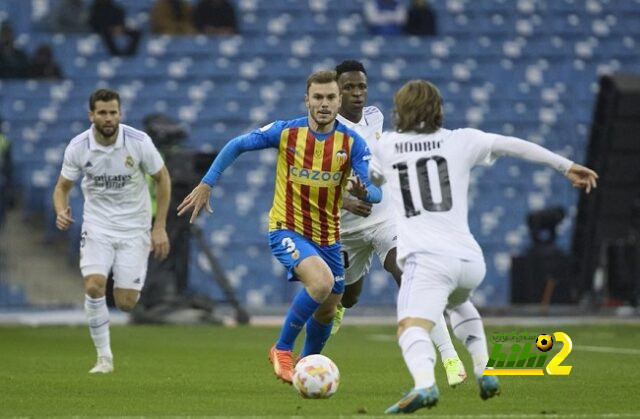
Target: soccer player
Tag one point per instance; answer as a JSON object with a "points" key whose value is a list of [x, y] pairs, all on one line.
{"points": [[315, 157], [427, 169], [112, 159], [367, 228]]}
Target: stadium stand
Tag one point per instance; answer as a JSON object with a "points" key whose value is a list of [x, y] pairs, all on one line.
{"points": [[527, 68]]}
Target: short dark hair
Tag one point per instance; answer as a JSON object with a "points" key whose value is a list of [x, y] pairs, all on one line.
{"points": [[349, 65], [321, 77], [103, 95], [418, 107]]}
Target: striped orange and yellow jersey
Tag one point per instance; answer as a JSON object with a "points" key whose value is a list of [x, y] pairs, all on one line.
{"points": [[311, 173]]}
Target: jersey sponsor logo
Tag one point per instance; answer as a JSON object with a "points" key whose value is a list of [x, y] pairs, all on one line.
{"points": [[129, 162], [312, 177], [110, 181], [341, 157]]}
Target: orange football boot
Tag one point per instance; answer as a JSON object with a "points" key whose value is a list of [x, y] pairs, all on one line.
{"points": [[282, 361]]}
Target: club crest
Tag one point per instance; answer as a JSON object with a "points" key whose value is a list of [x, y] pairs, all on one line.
{"points": [[129, 162], [341, 157]]}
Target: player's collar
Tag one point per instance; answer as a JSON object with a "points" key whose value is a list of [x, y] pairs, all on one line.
{"points": [[363, 121], [94, 145]]}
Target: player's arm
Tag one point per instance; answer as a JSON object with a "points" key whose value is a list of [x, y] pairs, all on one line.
{"points": [[71, 171], [375, 171], [356, 206], [362, 187], [61, 203], [199, 197], [159, 238], [579, 176]]}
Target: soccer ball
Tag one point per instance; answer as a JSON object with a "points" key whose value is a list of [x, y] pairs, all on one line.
{"points": [[316, 377], [544, 342]]}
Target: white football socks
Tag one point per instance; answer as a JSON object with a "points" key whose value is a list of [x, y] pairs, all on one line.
{"points": [[419, 355], [441, 338], [98, 316], [467, 326]]}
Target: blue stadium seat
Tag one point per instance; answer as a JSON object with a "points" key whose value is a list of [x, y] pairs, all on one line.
{"points": [[523, 68]]}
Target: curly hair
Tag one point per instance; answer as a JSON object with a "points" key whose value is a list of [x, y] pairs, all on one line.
{"points": [[349, 65]]}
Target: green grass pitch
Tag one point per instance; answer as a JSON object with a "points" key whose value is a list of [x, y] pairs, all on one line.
{"points": [[224, 372]]}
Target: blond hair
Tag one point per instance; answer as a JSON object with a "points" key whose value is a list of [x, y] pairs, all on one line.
{"points": [[418, 107], [321, 77]]}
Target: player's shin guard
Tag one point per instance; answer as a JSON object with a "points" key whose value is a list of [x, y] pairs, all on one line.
{"points": [[467, 326], [299, 312], [98, 316], [317, 336], [419, 355], [442, 340]]}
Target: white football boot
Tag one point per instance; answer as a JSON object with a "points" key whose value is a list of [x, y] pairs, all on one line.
{"points": [[104, 365]]}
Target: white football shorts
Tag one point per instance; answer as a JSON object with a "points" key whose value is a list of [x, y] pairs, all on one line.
{"points": [[358, 248], [127, 257], [431, 283]]}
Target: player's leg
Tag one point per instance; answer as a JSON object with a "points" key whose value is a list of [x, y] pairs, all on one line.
{"points": [[385, 242], [130, 270], [390, 264], [426, 283], [352, 293], [357, 252], [96, 258], [467, 325], [125, 298], [453, 366], [320, 324], [303, 263]]}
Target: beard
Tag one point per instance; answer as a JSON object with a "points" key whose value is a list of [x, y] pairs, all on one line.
{"points": [[108, 132], [326, 119]]}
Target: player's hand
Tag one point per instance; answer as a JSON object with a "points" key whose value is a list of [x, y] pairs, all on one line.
{"points": [[582, 177], [160, 243], [198, 198], [356, 206], [64, 219], [357, 188]]}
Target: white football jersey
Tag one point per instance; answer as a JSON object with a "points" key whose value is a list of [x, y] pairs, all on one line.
{"points": [[427, 178], [369, 128], [116, 194]]}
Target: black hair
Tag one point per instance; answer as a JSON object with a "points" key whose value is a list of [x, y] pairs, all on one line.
{"points": [[349, 65], [103, 95]]}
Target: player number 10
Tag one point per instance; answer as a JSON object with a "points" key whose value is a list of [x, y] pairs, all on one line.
{"points": [[425, 186]]}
